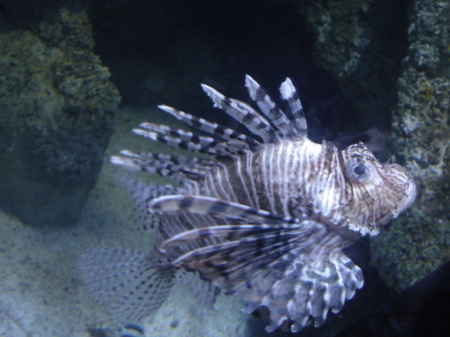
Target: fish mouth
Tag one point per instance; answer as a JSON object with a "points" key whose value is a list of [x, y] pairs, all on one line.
{"points": [[409, 196]]}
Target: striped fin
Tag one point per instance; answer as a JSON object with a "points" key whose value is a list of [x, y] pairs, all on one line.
{"points": [[297, 271], [194, 143], [269, 108], [309, 288], [173, 166], [205, 143], [243, 113], [226, 263], [229, 233], [211, 128], [215, 207], [289, 93], [125, 282]]}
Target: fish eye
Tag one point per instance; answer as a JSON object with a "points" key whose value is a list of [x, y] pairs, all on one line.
{"points": [[357, 171]]}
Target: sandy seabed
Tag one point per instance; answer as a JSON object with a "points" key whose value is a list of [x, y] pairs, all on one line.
{"points": [[41, 293]]}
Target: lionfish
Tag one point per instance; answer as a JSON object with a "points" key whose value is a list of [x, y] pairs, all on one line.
{"points": [[265, 214]]}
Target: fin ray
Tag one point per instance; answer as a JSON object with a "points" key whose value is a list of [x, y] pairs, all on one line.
{"points": [[216, 207], [289, 93], [230, 232], [270, 109], [125, 282], [297, 270], [243, 113], [211, 128], [177, 167], [196, 144]]}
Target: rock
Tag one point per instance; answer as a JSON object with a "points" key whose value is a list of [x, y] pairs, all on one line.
{"points": [[361, 43], [57, 108], [419, 241]]}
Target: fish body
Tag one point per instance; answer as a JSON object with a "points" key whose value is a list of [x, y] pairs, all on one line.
{"points": [[266, 215]]}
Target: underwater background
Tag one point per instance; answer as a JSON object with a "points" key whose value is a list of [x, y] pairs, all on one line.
{"points": [[76, 76]]}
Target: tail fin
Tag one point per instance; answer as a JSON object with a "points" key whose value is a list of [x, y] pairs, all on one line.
{"points": [[125, 281]]}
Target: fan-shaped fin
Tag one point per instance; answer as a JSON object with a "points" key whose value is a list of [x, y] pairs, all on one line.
{"points": [[174, 166], [213, 129], [289, 93], [270, 109], [227, 263], [296, 270], [125, 282], [248, 251], [243, 113], [230, 233]]}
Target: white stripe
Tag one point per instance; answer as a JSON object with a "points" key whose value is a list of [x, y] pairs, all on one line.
{"points": [[228, 183], [270, 192], [286, 181], [263, 170], [241, 178], [249, 170], [224, 195], [280, 177]]}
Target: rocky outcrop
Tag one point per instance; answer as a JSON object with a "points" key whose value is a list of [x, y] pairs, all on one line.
{"points": [[361, 43], [57, 107], [419, 242]]}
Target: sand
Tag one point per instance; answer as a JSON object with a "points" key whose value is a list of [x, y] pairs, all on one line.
{"points": [[41, 293]]}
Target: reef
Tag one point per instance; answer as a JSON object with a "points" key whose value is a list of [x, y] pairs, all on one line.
{"points": [[57, 108]]}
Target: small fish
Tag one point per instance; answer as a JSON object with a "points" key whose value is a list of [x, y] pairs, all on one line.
{"points": [[121, 330], [131, 330], [264, 214]]}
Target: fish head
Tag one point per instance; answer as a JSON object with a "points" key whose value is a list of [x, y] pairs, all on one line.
{"points": [[375, 192]]}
